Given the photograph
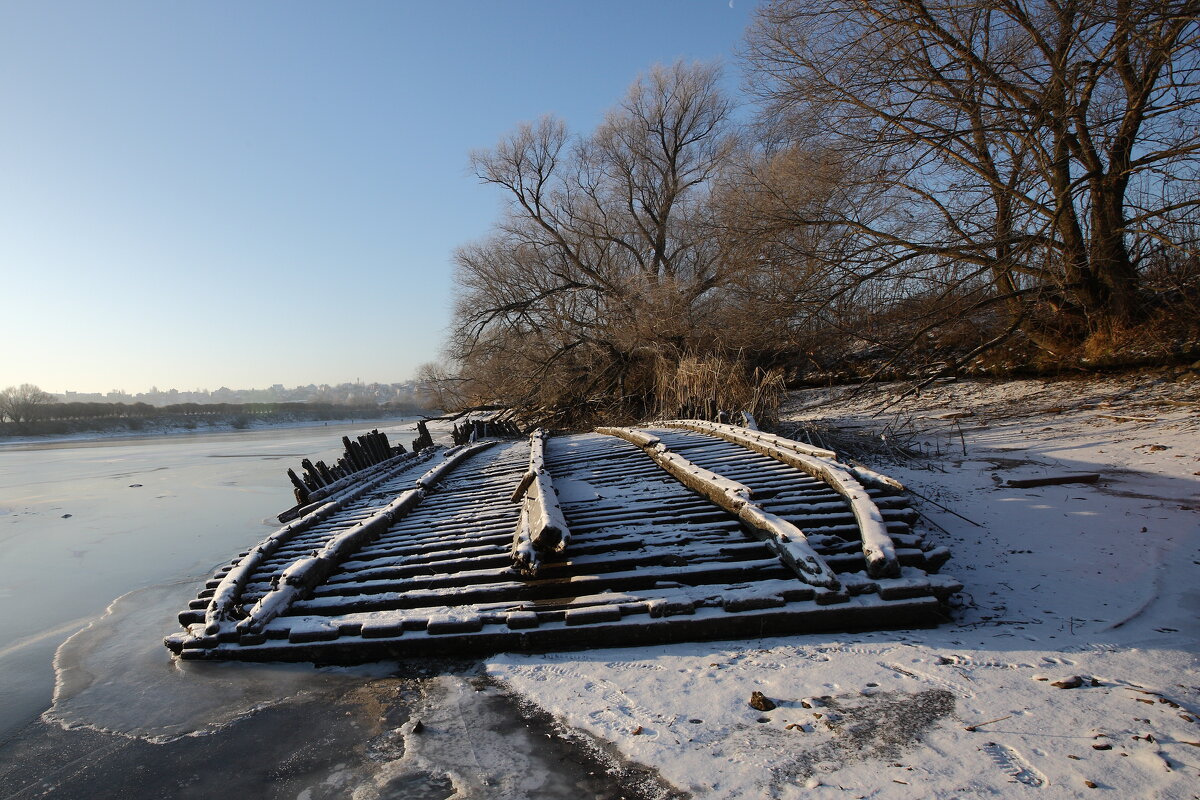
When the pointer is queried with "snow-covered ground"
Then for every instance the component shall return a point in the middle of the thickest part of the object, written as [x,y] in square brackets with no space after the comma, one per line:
[1096,581]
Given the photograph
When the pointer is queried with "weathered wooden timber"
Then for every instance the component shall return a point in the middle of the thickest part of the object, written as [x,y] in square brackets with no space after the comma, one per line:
[320,481]
[675,531]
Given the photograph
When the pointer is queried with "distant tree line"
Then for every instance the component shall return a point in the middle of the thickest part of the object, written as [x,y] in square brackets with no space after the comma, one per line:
[356,393]
[28,409]
[926,188]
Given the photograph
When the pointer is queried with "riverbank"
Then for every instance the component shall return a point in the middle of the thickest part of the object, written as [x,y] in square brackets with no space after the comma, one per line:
[1090,580]
[1095,580]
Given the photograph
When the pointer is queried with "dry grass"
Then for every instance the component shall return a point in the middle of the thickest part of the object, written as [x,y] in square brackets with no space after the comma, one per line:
[702,386]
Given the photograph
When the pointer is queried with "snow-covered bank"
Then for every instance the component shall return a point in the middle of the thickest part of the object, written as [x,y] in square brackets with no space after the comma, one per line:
[1095,580]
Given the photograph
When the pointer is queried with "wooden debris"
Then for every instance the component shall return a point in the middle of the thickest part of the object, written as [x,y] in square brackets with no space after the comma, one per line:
[788,541]
[408,561]
[1053,480]
[321,481]
[541,527]
[978,725]
[877,546]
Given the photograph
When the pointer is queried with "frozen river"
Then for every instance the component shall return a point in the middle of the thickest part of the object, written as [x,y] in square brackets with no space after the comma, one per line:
[82,523]
[104,542]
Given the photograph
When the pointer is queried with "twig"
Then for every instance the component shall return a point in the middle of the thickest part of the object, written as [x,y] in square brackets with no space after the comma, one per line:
[979,725]
[943,508]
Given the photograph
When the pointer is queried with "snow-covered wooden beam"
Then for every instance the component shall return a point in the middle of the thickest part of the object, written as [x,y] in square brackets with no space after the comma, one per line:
[725,431]
[222,609]
[353,481]
[302,575]
[542,526]
[787,541]
[877,544]
[778,447]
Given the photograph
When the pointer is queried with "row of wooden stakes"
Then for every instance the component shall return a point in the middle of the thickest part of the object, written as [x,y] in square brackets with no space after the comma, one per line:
[367,451]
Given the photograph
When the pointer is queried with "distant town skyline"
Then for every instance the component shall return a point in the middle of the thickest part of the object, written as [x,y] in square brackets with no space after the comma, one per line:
[230,194]
[378,392]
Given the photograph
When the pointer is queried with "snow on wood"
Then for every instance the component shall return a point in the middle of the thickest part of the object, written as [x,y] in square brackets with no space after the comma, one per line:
[301,576]
[786,540]
[655,562]
[542,526]
[877,545]
[742,435]
[873,478]
[223,608]
[781,449]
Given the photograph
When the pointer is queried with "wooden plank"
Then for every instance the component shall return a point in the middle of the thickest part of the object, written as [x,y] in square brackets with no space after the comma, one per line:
[785,539]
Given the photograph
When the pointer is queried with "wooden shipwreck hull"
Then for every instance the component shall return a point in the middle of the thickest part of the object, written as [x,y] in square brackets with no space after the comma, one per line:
[672,532]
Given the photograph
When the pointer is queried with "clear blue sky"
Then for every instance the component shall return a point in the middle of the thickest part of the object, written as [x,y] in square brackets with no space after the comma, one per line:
[198,194]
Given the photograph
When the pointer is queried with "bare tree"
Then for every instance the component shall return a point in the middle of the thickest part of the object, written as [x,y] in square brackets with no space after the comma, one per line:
[1019,150]
[604,256]
[24,404]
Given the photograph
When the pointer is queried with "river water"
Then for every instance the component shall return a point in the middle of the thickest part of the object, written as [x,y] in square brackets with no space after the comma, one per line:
[103,542]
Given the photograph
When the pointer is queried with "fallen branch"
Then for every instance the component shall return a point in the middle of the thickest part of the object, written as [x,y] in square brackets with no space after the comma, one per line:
[943,508]
[1054,480]
[978,725]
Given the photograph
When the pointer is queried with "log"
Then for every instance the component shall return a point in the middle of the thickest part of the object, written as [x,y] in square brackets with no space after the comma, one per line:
[295,479]
[360,457]
[1054,480]
[877,545]
[542,526]
[789,543]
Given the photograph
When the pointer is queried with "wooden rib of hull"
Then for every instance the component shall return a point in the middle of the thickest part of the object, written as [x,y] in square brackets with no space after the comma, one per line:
[648,561]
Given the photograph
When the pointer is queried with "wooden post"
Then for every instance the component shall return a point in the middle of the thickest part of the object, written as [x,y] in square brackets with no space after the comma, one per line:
[350,453]
[311,472]
[301,489]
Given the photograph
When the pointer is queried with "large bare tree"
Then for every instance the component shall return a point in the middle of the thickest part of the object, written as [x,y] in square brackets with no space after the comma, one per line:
[24,404]
[1019,150]
[604,257]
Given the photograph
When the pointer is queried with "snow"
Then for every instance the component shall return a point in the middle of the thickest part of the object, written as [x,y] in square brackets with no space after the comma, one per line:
[1097,581]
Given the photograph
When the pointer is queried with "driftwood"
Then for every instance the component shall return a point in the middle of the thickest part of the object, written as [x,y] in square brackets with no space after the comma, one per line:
[1054,480]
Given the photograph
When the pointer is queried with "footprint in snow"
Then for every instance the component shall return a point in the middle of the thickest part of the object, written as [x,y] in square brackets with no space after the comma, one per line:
[1013,765]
